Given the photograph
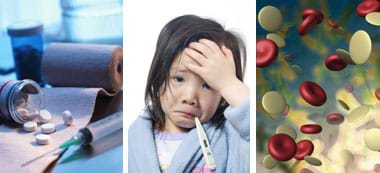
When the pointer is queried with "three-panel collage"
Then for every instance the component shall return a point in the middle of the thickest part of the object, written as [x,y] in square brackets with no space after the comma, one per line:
[138,86]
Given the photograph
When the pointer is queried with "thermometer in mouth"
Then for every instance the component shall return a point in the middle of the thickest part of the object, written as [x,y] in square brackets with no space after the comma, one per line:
[205,145]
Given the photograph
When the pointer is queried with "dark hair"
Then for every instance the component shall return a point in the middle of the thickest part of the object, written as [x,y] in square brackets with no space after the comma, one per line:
[173,39]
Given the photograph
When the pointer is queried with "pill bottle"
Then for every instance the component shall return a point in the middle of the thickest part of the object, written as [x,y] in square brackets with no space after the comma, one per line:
[20,101]
[27,45]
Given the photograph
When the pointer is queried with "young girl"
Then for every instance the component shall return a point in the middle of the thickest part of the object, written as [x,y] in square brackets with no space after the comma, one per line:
[197,71]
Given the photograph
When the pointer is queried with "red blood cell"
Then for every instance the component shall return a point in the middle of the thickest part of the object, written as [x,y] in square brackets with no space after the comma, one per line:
[305,170]
[304,148]
[335,118]
[282,147]
[311,128]
[312,93]
[334,63]
[376,167]
[310,18]
[266,52]
[366,7]
[377,93]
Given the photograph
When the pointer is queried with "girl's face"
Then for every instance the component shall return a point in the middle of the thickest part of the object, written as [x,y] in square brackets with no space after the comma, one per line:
[186,96]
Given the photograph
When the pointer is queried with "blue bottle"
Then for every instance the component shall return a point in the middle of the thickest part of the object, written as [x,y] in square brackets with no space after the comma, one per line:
[27,45]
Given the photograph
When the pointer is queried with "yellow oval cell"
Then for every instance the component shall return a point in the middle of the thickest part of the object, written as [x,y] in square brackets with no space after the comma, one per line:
[286,129]
[269,162]
[358,113]
[372,139]
[344,55]
[313,161]
[280,41]
[274,102]
[360,47]
[270,18]
[373,18]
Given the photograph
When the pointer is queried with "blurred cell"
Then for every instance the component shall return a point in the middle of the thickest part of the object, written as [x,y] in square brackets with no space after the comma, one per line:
[269,162]
[366,7]
[313,161]
[358,113]
[286,129]
[335,118]
[377,93]
[280,41]
[344,55]
[372,139]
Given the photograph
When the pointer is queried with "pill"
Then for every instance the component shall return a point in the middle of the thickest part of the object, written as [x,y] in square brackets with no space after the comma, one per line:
[47,128]
[312,93]
[358,113]
[281,147]
[266,52]
[334,63]
[360,47]
[273,102]
[366,7]
[286,129]
[42,139]
[269,162]
[270,18]
[311,128]
[377,93]
[30,126]
[344,55]
[280,41]
[305,170]
[313,161]
[304,148]
[67,117]
[44,116]
[343,104]
[373,18]
[335,118]
[372,139]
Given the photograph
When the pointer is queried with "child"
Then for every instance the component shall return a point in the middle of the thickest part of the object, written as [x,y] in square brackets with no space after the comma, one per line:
[197,71]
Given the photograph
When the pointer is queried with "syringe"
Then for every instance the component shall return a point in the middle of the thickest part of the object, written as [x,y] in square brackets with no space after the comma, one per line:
[89,134]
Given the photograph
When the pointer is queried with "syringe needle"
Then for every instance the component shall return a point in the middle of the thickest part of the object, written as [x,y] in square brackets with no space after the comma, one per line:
[39,157]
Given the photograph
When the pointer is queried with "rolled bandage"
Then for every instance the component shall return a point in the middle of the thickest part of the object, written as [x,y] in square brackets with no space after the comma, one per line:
[83,65]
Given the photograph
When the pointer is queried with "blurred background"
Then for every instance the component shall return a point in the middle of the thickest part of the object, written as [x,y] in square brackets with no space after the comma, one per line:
[81,21]
[303,59]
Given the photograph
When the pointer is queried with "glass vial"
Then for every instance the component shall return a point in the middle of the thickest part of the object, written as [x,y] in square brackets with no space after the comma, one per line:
[20,101]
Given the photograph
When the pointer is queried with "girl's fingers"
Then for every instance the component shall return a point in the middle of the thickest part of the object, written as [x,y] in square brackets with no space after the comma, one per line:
[196,56]
[194,68]
[212,45]
[205,50]
[227,52]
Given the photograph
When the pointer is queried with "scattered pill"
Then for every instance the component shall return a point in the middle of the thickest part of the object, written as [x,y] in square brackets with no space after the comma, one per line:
[311,128]
[280,41]
[372,139]
[270,18]
[42,139]
[373,18]
[47,128]
[282,147]
[304,148]
[313,161]
[274,102]
[360,47]
[358,113]
[335,118]
[30,126]
[266,52]
[44,116]
[334,63]
[343,104]
[312,93]
[286,129]
[366,7]
[344,55]
[67,117]
[269,162]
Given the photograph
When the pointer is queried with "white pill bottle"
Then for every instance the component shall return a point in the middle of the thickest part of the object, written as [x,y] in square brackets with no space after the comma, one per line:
[20,101]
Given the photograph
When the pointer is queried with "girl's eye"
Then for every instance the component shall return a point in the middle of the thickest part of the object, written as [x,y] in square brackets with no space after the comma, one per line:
[178,79]
[206,86]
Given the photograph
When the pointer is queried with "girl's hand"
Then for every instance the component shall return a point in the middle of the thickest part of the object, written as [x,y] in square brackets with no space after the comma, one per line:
[216,66]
